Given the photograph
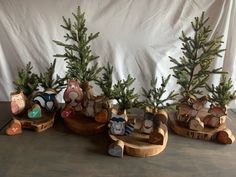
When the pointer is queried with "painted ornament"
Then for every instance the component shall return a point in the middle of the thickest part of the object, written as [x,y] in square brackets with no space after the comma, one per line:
[73,95]
[47,100]
[18,103]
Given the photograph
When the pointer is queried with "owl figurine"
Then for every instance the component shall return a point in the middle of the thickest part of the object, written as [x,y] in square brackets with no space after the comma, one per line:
[18,103]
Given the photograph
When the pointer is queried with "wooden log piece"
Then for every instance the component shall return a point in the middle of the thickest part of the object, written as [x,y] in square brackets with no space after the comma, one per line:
[116,149]
[214,122]
[102,116]
[14,128]
[38,125]
[158,135]
[83,125]
[225,136]
[162,115]
[196,124]
[136,144]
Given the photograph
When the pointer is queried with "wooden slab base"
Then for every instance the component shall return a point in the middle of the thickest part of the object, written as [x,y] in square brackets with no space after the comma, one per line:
[83,125]
[204,134]
[38,125]
[136,144]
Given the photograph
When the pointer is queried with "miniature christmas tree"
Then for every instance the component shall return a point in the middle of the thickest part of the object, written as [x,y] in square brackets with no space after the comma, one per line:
[221,95]
[124,95]
[105,82]
[78,51]
[154,96]
[193,69]
[27,82]
[192,72]
[47,81]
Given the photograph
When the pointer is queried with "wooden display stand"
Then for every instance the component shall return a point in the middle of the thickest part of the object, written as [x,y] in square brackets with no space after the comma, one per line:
[84,125]
[38,125]
[213,134]
[136,144]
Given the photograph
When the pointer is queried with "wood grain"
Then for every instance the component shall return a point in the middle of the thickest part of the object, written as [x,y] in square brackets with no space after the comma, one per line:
[38,125]
[83,125]
[136,144]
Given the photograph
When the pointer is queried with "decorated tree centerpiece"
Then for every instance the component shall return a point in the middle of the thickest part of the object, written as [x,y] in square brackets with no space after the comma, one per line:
[145,136]
[82,106]
[31,108]
[156,116]
[126,99]
[192,72]
[25,86]
[51,87]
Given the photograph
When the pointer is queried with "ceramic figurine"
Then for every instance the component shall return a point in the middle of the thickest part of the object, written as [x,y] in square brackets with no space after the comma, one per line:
[116,149]
[73,95]
[117,124]
[35,112]
[18,102]
[14,128]
[147,125]
[46,99]
[68,112]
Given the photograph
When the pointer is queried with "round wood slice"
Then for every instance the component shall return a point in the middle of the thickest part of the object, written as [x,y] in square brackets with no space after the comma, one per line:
[136,144]
[84,125]
[38,125]
[205,134]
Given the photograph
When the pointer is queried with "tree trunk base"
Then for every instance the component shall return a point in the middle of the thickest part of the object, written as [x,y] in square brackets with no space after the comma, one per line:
[137,144]
[38,125]
[84,125]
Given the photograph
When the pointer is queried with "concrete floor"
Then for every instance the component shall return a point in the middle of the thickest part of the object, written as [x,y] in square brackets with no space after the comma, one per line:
[59,153]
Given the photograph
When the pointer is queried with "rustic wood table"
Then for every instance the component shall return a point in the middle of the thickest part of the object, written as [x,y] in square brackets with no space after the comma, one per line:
[59,153]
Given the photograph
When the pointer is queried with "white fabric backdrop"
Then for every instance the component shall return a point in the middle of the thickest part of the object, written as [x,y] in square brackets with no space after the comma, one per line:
[136,36]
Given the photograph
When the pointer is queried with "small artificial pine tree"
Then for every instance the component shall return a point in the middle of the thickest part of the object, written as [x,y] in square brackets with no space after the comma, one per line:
[105,82]
[27,82]
[221,95]
[47,82]
[78,52]
[154,95]
[193,69]
[126,98]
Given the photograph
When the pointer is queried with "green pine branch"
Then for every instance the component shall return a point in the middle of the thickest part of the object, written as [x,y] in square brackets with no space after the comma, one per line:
[26,81]
[221,94]
[47,81]
[78,54]
[105,82]
[193,69]
[124,95]
[154,96]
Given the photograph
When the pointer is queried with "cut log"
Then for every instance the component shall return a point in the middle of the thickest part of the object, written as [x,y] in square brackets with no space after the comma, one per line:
[136,144]
[214,122]
[158,135]
[14,128]
[205,134]
[84,125]
[196,124]
[38,125]
[102,116]
[226,136]
[116,149]
[162,115]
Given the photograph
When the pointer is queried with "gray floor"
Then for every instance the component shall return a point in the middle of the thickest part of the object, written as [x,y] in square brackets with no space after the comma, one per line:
[60,153]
